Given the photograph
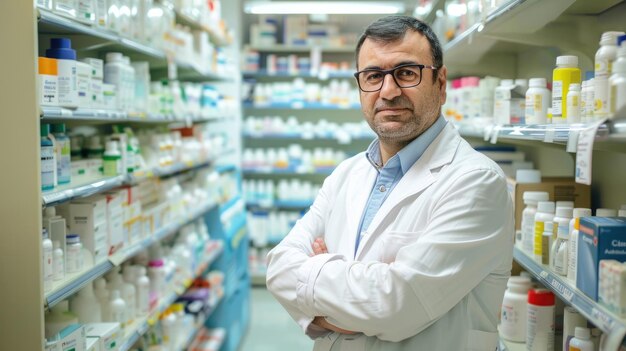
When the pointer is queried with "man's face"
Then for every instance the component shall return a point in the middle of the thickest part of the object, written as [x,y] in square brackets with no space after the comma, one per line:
[398,115]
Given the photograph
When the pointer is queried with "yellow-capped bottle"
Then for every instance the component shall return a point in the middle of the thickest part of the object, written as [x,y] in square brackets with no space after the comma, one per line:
[565,73]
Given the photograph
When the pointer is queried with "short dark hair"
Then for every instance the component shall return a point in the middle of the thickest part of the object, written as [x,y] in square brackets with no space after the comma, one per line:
[393,28]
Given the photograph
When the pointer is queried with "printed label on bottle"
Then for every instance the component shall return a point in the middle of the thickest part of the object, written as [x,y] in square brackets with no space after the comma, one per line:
[539,226]
[573,348]
[49,90]
[47,166]
[64,169]
[557,99]
[110,167]
[601,68]
[545,248]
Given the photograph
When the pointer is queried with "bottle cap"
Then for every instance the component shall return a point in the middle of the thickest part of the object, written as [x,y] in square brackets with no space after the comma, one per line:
[114,57]
[61,48]
[507,82]
[582,333]
[517,280]
[112,147]
[606,212]
[537,83]
[582,212]
[48,66]
[49,212]
[44,130]
[56,244]
[526,176]
[535,196]
[610,38]
[567,60]
[564,212]
[156,263]
[44,233]
[545,206]
[72,239]
[569,204]
[115,294]
[58,128]
[540,297]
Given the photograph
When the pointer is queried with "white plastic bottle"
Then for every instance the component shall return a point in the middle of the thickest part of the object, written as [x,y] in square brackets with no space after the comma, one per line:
[546,242]
[571,320]
[46,245]
[589,101]
[115,73]
[604,58]
[606,212]
[102,293]
[112,159]
[537,101]
[540,329]
[143,292]
[562,217]
[560,248]
[58,262]
[572,256]
[617,82]
[582,340]
[127,292]
[86,306]
[573,103]
[61,50]
[74,254]
[117,309]
[545,213]
[502,102]
[513,313]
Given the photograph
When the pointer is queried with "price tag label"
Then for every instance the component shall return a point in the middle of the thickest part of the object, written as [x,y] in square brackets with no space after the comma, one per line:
[487,132]
[584,153]
[563,290]
[544,274]
[549,136]
[606,322]
[572,141]
[495,133]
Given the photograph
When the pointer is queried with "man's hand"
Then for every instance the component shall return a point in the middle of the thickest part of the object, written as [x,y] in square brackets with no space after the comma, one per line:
[319,247]
[323,323]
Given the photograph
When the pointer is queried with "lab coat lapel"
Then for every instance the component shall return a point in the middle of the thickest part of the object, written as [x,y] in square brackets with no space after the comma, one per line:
[357,193]
[419,177]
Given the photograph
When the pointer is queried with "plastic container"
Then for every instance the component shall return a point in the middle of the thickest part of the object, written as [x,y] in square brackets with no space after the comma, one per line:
[617,82]
[63,154]
[115,73]
[513,313]
[582,340]
[537,101]
[565,73]
[103,295]
[143,292]
[48,159]
[527,176]
[560,250]
[540,327]
[604,58]
[58,262]
[572,319]
[61,50]
[531,199]
[589,101]
[86,306]
[112,159]
[47,248]
[48,81]
[573,104]
[156,272]
[546,242]
[74,254]
[545,213]
[606,212]
[58,319]
[117,309]
[572,256]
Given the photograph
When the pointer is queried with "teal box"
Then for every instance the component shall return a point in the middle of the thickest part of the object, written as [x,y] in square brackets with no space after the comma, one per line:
[600,238]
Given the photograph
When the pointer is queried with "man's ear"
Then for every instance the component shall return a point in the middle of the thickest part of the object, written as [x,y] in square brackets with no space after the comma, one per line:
[442,75]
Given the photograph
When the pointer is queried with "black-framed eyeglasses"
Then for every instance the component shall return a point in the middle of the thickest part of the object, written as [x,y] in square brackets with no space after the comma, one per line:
[405,76]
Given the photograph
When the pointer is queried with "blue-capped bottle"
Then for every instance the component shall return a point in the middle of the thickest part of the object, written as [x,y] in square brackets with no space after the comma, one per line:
[61,49]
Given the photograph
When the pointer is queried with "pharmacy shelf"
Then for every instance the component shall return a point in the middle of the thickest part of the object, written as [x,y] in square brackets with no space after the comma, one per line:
[281,205]
[228,205]
[299,49]
[208,339]
[213,303]
[68,192]
[218,39]
[306,136]
[288,171]
[71,191]
[300,106]
[613,326]
[320,75]
[60,114]
[75,282]
[140,327]
[99,39]
[225,168]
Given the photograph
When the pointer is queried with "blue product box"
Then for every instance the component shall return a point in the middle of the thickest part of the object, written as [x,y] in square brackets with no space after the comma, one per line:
[600,238]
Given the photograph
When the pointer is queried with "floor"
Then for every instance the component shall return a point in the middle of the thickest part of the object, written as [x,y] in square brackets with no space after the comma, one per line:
[271,328]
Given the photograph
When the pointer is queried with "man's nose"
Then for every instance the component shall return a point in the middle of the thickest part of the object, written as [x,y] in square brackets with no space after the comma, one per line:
[390,89]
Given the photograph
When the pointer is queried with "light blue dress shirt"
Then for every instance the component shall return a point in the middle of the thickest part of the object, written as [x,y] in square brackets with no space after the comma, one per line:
[395,168]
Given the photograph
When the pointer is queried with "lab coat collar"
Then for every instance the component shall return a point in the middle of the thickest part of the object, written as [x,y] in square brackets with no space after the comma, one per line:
[420,176]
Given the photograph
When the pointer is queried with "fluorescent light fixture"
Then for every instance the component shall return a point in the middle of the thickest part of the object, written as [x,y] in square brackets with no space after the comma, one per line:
[323,7]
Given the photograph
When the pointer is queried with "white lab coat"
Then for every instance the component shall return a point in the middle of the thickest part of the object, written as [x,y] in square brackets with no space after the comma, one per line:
[431,269]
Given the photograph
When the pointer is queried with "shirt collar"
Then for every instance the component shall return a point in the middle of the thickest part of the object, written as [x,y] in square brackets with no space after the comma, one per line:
[410,153]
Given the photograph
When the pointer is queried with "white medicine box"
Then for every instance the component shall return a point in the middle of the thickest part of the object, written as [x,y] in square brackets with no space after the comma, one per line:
[87,218]
[115,220]
[109,335]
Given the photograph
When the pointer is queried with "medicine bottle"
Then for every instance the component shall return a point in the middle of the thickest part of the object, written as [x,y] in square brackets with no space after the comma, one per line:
[573,104]
[112,159]
[617,82]
[61,50]
[117,309]
[63,153]
[143,292]
[571,320]
[537,101]
[156,272]
[86,306]
[48,159]
[73,254]
[540,328]
[560,248]
[545,213]
[604,58]
[46,245]
[572,256]
[48,81]
[531,199]
[582,340]
[546,242]
[513,313]
[565,73]
[58,261]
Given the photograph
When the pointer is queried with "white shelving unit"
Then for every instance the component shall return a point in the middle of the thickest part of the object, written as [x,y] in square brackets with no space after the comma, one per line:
[23,301]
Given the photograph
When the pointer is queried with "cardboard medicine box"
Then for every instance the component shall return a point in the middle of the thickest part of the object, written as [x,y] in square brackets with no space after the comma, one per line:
[109,335]
[599,238]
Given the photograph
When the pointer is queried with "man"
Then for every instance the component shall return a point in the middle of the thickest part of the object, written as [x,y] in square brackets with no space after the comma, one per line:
[408,246]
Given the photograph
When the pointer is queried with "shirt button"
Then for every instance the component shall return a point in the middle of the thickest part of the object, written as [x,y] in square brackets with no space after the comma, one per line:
[382,189]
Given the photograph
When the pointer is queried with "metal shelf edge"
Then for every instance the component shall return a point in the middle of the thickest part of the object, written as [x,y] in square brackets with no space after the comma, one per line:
[95,272]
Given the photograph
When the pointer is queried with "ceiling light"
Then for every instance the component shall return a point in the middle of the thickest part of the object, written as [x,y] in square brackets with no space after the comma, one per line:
[322,7]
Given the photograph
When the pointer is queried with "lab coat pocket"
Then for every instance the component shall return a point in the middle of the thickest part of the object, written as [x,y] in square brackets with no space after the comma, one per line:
[478,340]
[392,242]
